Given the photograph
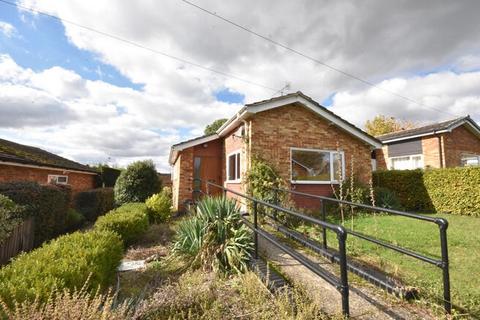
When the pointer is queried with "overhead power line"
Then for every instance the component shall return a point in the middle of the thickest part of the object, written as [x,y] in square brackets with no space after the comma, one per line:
[138,45]
[281,45]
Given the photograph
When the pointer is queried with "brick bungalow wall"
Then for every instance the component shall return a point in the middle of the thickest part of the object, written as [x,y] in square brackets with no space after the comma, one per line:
[233,143]
[460,141]
[77,181]
[182,182]
[274,132]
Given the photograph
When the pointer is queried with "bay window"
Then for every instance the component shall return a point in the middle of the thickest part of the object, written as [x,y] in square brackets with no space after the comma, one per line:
[317,166]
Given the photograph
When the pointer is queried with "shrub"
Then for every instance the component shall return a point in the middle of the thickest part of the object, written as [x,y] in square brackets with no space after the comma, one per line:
[94,203]
[64,263]
[136,183]
[452,190]
[408,186]
[386,198]
[130,221]
[48,204]
[74,219]
[160,206]
[215,238]
[11,215]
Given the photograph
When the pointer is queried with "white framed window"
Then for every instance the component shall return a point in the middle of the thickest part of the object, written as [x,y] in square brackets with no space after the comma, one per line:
[57,179]
[410,162]
[233,167]
[312,166]
[470,160]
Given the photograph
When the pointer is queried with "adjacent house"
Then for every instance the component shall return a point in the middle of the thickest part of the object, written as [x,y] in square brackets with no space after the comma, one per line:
[311,148]
[19,162]
[452,143]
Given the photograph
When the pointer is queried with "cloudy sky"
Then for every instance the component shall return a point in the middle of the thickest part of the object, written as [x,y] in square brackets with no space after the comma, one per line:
[94,98]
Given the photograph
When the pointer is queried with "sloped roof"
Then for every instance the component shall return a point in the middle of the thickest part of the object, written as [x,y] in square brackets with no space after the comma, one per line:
[292,98]
[430,129]
[19,153]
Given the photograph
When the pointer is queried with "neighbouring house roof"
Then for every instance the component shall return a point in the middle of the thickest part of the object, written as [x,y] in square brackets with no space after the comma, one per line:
[292,98]
[15,153]
[431,129]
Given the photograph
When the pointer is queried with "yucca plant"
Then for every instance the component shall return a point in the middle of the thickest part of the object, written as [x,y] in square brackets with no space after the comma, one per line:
[214,237]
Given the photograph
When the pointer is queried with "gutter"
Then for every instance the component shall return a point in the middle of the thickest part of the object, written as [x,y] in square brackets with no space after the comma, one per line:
[65,170]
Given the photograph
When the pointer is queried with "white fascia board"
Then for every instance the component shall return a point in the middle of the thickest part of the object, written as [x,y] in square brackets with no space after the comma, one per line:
[8,163]
[233,122]
[324,114]
[175,149]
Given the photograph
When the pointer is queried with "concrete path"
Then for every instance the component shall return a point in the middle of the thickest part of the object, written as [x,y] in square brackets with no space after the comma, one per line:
[365,302]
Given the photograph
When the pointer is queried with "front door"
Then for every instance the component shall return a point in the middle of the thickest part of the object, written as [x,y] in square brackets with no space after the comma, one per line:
[206,168]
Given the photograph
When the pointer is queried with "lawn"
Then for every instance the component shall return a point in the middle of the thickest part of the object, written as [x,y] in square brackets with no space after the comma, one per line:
[463,245]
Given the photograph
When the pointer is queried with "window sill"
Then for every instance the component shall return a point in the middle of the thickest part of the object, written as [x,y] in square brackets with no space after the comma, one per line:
[233,181]
[313,182]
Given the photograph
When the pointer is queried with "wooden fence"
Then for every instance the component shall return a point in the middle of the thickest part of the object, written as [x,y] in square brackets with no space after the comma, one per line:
[20,240]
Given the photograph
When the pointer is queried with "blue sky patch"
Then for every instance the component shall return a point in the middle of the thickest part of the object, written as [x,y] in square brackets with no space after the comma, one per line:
[229,96]
[40,43]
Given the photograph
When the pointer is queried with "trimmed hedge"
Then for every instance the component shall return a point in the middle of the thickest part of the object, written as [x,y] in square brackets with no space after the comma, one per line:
[451,190]
[137,182]
[130,221]
[11,215]
[64,263]
[94,203]
[49,205]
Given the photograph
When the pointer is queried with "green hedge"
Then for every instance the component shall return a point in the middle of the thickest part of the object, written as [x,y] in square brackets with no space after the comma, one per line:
[49,205]
[11,215]
[451,190]
[160,206]
[64,263]
[94,203]
[130,221]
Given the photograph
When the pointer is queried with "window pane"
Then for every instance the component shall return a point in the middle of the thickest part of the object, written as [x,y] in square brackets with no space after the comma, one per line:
[470,161]
[238,166]
[197,162]
[417,162]
[337,166]
[231,167]
[401,163]
[310,165]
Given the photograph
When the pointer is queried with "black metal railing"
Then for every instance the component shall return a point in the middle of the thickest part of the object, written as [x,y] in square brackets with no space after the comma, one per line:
[442,224]
[341,283]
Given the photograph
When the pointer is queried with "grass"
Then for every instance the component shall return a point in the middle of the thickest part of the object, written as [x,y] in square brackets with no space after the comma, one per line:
[423,237]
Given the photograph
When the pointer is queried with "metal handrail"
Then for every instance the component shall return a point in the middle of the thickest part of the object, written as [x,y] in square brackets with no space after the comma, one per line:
[342,285]
[442,224]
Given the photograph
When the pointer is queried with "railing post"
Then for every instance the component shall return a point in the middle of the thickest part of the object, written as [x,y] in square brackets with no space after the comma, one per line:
[224,193]
[207,187]
[275,202]
[324,217]
[443,225]
[344,290]
[255,225]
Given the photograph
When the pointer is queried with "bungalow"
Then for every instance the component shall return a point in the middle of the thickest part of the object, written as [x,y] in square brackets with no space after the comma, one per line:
[453,143]
[310,147]
[19,162]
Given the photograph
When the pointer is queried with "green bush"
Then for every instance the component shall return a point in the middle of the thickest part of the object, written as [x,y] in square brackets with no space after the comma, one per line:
[160,206]
[74,219]
[64,263]
[452,190]
[215,237]
[11,215]
[130,221]
[94,203]
[408,186]
[47,203]
[386,198]
[136,183]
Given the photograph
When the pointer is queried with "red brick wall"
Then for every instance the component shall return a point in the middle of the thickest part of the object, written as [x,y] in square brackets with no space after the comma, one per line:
[381,155]
[460,141]
[77,181]
[432,153]
[183,179]
[274,132]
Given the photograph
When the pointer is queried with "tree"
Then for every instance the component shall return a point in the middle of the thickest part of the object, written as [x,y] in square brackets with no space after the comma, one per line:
[136,183]
[214,126]
[383,125]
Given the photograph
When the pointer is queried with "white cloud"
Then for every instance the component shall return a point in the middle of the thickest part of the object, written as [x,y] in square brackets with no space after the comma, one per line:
[7,29]
[442,95]
[385,43]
